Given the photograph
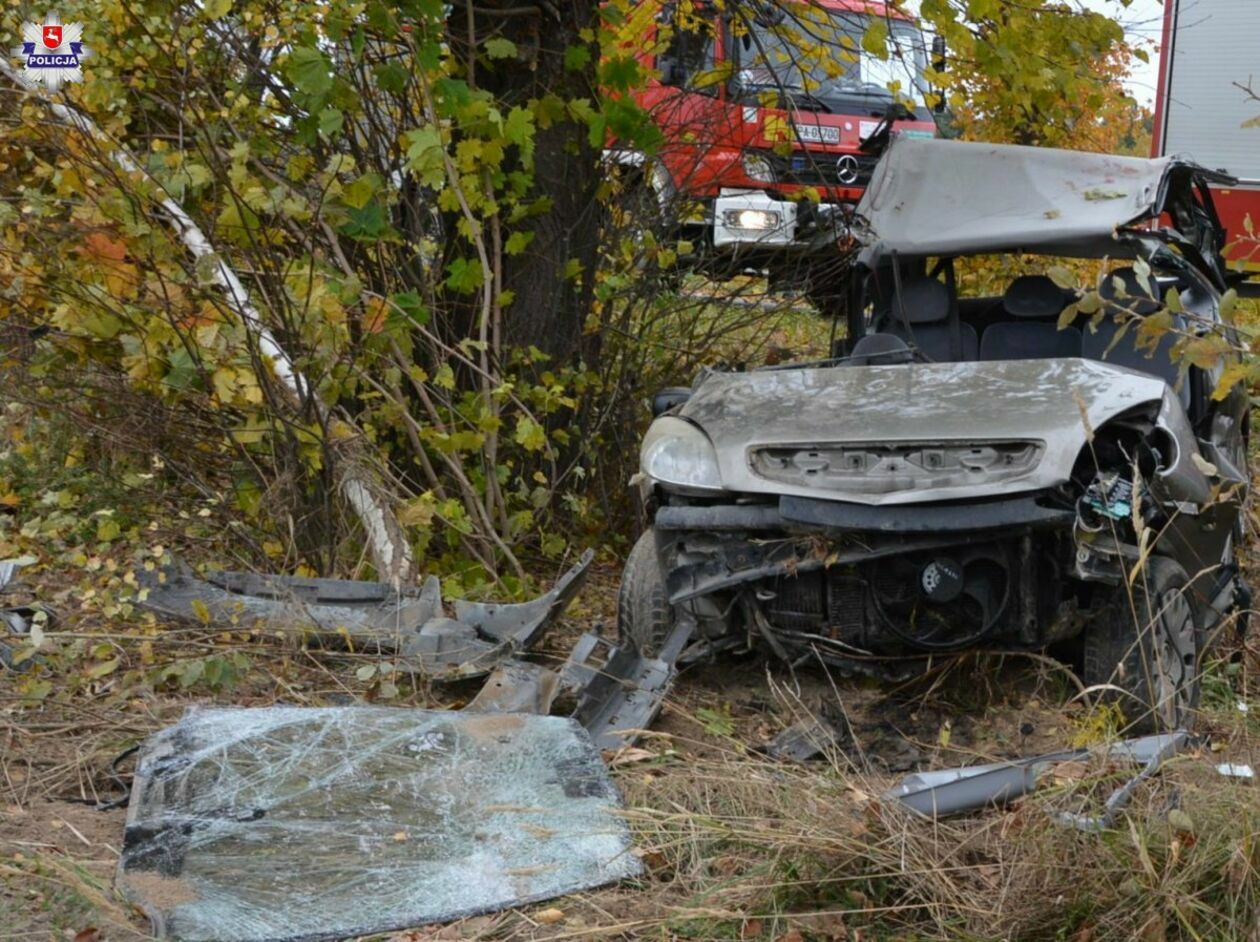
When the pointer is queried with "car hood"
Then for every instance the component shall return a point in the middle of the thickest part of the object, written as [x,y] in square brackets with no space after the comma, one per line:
[911,432]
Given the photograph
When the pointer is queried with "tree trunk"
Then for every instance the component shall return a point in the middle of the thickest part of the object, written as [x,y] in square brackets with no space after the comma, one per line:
[553,280]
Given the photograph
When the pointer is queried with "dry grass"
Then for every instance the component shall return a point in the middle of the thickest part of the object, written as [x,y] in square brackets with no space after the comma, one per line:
[737,846]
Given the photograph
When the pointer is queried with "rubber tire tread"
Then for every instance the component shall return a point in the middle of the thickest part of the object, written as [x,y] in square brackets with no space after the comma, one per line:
[1108,644]
[644,615]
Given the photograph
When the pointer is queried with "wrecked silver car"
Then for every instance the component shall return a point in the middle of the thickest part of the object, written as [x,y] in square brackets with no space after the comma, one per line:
[1029,467]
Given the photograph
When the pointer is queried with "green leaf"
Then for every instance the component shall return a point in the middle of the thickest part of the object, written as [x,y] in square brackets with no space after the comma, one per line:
[330,121]
[310,71]
[517,242]
[717,722]
[464,275]
[620,73]
[216,9]
[530,435]
[357,194]
[367,223]
[391,77]
[576,58]
[412,306]
[425,152]
[183,371]
[500,48]
[190,673]
[102,669]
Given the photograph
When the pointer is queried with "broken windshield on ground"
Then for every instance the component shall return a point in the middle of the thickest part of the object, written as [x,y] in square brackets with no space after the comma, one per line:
[287,823]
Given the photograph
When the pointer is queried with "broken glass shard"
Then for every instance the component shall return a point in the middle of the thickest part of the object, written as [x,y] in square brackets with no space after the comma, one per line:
[288,823]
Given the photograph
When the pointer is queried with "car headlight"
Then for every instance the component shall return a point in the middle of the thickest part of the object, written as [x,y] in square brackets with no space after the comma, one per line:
[758,168]
[678,454]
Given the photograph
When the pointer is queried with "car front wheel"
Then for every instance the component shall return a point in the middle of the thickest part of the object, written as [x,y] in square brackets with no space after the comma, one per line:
[1146,642]
[644,615]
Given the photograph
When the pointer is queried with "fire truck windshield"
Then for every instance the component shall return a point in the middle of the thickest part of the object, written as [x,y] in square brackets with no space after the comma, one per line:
[819,52]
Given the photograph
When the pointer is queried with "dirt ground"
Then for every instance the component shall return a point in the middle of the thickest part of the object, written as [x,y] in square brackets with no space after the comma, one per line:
[58,854]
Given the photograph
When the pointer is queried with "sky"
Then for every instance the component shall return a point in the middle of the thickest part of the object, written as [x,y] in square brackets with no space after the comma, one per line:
[1143,22]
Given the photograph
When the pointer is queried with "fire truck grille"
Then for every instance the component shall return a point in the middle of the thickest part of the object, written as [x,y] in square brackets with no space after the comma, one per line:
[816,169]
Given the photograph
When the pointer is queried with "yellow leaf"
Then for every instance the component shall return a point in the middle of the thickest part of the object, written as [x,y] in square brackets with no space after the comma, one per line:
[201,610]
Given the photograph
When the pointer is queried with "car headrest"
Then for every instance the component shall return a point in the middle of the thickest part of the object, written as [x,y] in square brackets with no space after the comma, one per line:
[925,301]
[1036,297]
[880,348]
[1138,297]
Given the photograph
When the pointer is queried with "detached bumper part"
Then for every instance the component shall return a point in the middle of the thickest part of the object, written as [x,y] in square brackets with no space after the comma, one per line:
[619,691]
[372,616]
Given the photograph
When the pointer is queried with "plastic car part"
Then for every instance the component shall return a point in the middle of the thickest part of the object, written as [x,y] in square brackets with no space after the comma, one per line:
[286,823]
[371,615]
[804,739]
[517,687]
[1151,751]
[952,791]
[619,691]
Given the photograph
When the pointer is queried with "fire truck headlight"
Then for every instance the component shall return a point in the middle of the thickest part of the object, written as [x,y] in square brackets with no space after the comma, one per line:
[759,219]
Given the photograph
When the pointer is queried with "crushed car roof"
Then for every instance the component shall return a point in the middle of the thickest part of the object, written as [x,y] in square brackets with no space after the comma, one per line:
[938,197]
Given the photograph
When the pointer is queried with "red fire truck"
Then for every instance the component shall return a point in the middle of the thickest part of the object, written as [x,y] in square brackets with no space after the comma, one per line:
[1204,108]
[772,115]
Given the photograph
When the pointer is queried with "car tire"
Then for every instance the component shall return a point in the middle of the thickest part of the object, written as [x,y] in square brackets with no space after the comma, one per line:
[644,615]
[1149,648]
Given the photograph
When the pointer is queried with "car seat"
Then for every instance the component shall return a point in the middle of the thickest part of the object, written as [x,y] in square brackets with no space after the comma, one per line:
[877,349]
[1035,302]
[923,314]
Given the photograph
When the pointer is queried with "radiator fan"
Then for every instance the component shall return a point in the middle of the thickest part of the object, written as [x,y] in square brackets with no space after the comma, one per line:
[941,601]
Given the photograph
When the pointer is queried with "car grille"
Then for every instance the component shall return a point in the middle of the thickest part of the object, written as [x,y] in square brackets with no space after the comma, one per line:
[883,468]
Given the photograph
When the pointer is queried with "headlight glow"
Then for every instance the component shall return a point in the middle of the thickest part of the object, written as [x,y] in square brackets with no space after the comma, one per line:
[751,219]
[678,454]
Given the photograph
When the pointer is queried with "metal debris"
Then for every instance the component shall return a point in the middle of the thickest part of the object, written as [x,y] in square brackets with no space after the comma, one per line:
[952,791]
[619,691]
[1231,770]
[371,615]
[1151,752]
[517,687]
[804,739]
[286,823]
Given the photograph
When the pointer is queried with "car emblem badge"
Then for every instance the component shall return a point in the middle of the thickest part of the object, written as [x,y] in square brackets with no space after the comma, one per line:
[847,169]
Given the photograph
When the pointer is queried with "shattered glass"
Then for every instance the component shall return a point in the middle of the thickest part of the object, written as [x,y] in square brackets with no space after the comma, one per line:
[289,823]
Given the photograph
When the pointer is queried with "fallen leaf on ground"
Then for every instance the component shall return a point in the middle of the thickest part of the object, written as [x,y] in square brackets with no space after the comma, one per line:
[549,916]
[627,755]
